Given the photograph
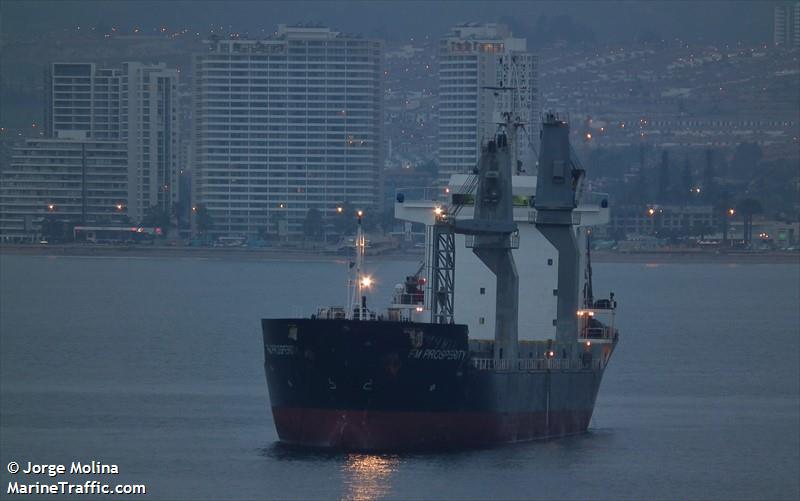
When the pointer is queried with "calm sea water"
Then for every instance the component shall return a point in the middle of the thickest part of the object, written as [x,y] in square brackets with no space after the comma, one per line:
[156,365]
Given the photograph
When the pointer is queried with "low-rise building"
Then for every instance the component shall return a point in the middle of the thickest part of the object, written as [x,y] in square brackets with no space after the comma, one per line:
[650,219]
[75,181]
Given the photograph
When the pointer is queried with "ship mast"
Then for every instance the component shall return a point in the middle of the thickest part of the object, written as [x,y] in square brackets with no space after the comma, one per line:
[357,307]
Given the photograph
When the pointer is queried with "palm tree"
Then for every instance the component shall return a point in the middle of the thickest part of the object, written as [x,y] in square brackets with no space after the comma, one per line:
[204,221]
[313,225]
[157,217]
[747,207]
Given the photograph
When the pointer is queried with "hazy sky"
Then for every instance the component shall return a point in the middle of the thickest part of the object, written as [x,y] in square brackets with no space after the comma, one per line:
[707,20]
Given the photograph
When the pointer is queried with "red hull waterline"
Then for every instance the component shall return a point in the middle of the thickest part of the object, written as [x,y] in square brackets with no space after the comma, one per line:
[380,430]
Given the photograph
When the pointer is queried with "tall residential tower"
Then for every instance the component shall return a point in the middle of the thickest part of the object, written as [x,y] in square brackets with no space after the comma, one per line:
[284,125]
[483,70]
[786,25]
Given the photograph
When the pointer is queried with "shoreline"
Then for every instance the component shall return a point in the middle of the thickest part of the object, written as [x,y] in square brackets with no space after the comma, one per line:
[683,256]
[696,257]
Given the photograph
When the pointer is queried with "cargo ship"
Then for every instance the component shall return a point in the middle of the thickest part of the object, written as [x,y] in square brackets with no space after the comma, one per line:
[500,342]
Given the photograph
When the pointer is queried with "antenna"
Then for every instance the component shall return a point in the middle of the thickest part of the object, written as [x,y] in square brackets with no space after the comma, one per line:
[510,112]
[357,307]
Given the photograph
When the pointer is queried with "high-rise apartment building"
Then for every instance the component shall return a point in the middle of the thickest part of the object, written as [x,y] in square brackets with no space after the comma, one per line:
[82,102]
[786,25]
[796,25]
[102,113]
[780,28]
[483,71]
[150,123]
[284,125]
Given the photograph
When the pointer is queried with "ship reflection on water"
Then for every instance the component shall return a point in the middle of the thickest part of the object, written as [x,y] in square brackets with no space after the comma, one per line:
[366,476]
[363,476]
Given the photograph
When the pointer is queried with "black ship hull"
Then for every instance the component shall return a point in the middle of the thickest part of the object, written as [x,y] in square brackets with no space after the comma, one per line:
[379,385]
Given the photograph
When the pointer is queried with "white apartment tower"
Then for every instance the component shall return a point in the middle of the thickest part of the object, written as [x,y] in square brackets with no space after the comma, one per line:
[150,126]
[82,101]
[786,25]
[780,28]
[284,125]
[136,103]
[477,63]
[796,25]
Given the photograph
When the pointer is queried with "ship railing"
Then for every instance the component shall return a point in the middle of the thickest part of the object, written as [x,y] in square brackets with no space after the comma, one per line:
[512,242]
[591,328]
[539,217]
[417,194]
[536,364]
[410,299]
[331,313]
[593,198]
[597,333]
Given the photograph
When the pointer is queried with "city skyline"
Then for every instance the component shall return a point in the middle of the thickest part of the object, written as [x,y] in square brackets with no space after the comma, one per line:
[431,112]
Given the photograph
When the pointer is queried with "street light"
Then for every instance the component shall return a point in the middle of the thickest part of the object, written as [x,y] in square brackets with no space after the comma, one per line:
[655,215]
[731,212]
[51,207]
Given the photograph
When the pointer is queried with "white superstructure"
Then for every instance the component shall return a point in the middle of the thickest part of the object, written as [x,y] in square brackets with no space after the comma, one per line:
[536,259]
